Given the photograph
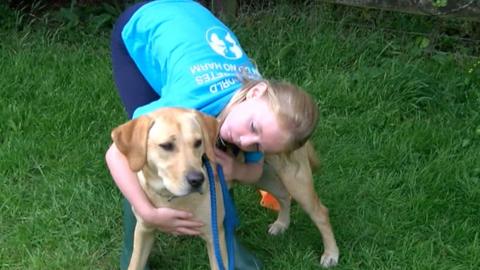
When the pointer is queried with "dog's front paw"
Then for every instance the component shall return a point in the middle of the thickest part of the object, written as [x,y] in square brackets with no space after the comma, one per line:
[329,259]
[277,227]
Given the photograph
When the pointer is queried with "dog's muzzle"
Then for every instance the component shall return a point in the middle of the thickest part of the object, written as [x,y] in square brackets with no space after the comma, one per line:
[195,179]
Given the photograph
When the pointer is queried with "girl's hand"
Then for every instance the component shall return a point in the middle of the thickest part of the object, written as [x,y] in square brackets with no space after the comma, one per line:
[172,221]
[228,164]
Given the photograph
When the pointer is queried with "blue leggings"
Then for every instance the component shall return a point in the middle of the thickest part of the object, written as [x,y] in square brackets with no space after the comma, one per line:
[132,87]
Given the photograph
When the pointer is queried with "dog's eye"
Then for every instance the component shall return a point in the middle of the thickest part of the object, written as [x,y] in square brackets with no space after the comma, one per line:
[167,146]
[197,143]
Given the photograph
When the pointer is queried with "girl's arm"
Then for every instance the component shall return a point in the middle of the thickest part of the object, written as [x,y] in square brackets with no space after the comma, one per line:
[167,219]
[247,173]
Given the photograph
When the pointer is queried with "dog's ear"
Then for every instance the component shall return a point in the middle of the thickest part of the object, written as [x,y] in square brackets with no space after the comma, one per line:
[210,130]
[131,139]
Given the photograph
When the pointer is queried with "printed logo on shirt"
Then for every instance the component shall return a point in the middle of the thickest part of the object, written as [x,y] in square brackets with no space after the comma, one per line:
[222,42]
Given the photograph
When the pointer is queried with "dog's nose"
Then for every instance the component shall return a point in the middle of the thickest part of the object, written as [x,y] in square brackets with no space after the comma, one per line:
[195,178]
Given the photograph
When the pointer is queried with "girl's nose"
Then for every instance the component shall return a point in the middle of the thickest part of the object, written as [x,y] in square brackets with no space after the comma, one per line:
[247,141]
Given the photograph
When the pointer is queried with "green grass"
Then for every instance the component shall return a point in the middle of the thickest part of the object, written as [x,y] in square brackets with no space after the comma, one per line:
[398,138]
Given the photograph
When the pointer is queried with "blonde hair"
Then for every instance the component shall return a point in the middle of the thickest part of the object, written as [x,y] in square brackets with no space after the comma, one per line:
[295,109]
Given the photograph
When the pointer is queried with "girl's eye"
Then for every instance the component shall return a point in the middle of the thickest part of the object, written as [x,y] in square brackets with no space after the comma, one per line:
[253,128]
[167,146]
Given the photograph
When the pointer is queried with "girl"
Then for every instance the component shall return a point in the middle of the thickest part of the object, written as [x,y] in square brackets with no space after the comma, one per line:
[176,53]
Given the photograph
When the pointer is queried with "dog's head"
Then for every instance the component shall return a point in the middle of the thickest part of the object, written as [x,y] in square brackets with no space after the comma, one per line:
[168,144]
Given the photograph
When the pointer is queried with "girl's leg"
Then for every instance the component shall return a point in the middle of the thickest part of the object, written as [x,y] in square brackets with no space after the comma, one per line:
[244,258]
[129,222]
[132,87]
[134,91]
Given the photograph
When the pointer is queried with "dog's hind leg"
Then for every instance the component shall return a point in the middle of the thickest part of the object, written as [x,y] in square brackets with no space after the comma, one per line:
[271,183]
[299,184]
[142,245]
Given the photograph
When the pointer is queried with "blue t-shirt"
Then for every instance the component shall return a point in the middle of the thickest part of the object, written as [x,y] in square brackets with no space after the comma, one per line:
[189,57]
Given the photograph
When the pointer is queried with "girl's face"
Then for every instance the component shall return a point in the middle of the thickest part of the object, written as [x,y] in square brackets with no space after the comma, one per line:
[252,125]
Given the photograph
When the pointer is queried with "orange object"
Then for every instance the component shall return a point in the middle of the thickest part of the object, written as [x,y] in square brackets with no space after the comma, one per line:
[269,201]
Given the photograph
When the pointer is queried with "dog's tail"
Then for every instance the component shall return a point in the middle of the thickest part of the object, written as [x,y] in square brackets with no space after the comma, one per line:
[312,156]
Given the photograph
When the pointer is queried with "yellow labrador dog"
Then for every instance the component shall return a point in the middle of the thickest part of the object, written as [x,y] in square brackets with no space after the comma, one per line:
[165,148]
[290,176]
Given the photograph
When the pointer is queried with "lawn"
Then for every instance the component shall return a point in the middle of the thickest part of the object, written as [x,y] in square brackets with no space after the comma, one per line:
[398,139]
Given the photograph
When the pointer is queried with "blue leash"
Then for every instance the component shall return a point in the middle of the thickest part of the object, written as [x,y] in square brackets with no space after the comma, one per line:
[230,221]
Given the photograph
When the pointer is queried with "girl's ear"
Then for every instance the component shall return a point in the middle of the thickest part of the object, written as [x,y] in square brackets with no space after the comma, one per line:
[258,90]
